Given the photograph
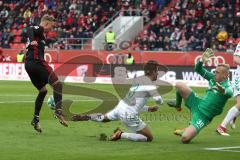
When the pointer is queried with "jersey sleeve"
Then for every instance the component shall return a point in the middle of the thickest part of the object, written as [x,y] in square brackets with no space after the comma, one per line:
[203,71]
[229,92]
[237,51]
[144,108]
[155,95]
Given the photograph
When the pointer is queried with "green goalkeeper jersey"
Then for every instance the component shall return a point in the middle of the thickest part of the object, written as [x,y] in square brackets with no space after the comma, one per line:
[213,101]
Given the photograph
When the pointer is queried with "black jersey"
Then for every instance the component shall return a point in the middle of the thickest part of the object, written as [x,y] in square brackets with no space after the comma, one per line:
[35,52]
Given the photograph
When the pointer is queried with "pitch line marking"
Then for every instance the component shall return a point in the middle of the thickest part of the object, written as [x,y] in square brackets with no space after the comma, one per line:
[224,149]
[83,100]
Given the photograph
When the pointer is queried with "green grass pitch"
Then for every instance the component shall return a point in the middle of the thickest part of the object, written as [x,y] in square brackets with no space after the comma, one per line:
[18,140]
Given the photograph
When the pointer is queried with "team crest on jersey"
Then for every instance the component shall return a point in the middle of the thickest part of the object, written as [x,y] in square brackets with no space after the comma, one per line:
[36,27]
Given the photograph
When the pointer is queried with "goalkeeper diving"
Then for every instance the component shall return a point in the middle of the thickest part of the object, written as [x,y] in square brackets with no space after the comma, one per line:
[203,109]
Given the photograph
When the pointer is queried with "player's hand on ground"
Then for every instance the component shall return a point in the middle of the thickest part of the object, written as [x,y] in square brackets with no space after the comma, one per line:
[34,43]
[208,53]
[219,88]
[153,108]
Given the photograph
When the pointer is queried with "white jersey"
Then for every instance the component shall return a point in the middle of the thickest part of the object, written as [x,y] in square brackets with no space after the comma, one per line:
[135,101]
[236,76]
[139,94]
[237,53]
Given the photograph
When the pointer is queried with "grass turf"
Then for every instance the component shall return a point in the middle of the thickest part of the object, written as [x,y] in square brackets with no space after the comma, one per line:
[19,141]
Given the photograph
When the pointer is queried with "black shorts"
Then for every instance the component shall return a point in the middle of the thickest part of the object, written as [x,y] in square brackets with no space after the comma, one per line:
[40,73]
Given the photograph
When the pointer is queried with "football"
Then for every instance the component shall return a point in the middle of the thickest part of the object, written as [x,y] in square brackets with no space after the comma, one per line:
[51,103]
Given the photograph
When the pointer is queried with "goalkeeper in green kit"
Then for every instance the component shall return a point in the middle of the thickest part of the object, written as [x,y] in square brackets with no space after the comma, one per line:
[203,109]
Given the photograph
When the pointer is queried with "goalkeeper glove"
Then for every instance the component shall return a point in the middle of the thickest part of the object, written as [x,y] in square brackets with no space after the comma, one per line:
[208,53]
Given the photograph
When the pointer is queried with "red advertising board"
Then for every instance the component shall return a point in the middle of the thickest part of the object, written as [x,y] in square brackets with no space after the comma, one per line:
[50,55]
[81,73]
[168,58]
[119,57]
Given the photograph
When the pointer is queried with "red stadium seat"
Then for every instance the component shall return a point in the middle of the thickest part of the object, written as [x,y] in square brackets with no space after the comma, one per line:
[22,45]
[14,32]
[14,45]
[17,32]
[17,39]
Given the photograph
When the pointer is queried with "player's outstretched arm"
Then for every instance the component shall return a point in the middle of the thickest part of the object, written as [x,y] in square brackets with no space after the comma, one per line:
[156,96]
[199,65]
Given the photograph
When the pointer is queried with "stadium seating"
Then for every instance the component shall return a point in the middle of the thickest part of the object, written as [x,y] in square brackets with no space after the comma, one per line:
[194,25]
[186,26]
[76,18]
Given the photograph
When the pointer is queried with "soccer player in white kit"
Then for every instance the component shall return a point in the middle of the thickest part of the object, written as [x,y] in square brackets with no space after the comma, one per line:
[235,110]
[128,108]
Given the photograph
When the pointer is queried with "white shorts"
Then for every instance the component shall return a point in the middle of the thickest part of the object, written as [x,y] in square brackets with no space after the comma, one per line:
[236,86]
[128,115]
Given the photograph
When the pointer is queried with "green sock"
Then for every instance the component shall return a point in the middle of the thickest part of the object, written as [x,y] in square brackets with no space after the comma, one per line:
[178,99]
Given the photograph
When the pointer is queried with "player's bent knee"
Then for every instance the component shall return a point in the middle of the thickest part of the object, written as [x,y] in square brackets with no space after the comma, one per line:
[238,105]
[185,139]
[180,85]
[57,83]
[186,142]
[43,91]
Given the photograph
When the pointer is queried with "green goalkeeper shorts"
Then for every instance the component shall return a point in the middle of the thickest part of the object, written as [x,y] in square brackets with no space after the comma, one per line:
[198,119]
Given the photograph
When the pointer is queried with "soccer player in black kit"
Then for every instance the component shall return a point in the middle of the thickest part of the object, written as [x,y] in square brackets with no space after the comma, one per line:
[40,72]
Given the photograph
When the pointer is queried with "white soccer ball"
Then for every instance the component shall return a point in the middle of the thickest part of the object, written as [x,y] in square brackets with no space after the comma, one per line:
[51,102]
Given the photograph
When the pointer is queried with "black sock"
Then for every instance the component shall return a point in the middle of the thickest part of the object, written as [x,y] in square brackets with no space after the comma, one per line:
[39,102]
[57,95]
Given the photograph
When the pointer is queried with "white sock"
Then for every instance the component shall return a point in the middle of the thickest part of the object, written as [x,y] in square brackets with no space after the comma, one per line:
[134,137]
[233,112]
[99,117]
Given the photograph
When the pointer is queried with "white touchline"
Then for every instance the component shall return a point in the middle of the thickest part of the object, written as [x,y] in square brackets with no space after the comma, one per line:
[65,96]
[28,95]
[83,100]
[17,95]
[224,149]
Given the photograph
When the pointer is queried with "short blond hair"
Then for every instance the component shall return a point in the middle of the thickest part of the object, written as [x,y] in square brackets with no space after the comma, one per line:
[225,66]
[47,17]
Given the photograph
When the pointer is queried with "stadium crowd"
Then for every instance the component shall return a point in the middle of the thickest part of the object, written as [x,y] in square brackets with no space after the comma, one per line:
[75,18]
[194,25]
[189,25]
